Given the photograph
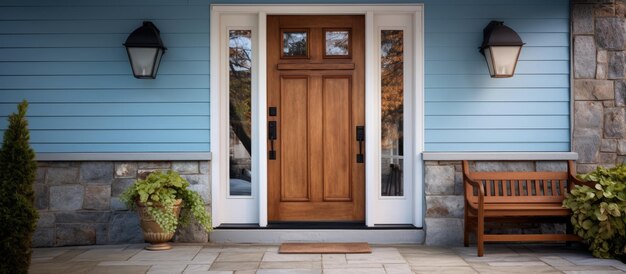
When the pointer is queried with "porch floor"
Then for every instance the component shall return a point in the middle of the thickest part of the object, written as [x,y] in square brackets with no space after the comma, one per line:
[215,258]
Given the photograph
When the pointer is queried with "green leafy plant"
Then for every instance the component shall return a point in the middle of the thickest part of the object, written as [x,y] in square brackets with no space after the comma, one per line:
[18,216]
[599,214]
[159,191]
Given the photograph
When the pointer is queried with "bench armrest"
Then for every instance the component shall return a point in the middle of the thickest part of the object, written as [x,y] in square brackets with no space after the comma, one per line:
[572,177]
[470,183]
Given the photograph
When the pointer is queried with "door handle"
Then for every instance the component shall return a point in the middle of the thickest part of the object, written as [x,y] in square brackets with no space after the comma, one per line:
[272,135]
[360,137]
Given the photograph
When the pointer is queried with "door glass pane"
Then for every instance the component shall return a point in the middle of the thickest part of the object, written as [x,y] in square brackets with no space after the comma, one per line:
[392,112]
[240,76]
[295,44]
[337,43]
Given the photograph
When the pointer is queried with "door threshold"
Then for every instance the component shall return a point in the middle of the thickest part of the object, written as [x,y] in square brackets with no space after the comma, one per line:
[258,235]
[318,225]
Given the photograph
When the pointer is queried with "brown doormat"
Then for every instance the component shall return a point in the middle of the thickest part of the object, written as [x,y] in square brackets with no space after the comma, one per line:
[324,248]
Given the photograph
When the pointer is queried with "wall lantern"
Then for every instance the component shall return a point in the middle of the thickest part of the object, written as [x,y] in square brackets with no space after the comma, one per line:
[501,47]
[145,49]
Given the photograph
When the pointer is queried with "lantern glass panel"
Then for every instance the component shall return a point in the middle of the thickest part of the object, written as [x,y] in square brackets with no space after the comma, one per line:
[504,59]
[143,60]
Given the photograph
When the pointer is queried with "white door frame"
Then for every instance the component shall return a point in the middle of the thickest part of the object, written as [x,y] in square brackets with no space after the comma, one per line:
[219,104]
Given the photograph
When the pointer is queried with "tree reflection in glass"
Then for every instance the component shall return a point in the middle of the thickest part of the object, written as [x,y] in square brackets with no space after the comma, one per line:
[337,43]
[392,112]
[240,104]
[295,44]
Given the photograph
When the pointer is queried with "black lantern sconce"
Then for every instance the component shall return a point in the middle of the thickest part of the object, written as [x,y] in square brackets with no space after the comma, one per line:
[501,48]
[145,49]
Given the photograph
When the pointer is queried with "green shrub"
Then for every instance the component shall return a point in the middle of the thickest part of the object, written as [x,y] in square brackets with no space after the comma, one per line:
[18,216]
[159,191]
[599,214]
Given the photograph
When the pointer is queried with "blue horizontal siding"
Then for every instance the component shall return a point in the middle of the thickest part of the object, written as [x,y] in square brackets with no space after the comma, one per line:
[66,58]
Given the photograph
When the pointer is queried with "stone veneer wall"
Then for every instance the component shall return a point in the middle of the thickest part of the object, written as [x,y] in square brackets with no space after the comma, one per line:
[79,202]
[443,182]
[599,72]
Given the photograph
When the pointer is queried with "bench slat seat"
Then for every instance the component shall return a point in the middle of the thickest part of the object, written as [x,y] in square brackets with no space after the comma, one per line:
[513,196]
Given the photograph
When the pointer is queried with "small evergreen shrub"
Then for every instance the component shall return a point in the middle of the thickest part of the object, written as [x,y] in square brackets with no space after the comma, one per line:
[159,191]
[18,216]
[599,214]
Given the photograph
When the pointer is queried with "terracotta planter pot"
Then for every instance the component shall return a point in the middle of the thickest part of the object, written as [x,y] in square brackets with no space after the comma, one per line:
[152,232]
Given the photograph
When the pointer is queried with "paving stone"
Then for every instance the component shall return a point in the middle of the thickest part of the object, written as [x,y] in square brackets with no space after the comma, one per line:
[444,270]
[271,256]
[234,266]
[205,256]
[439,180]
[66,197]
[398,269]
[180,253]
[444,206]
[186,167]
[293,265]
[167,269]
[125,169]
[609,33]
[590,89]
[376,257]
[114,253]
[56,267]
[200,268]
[444,231]
[582,19]
[124,228]
[82,217]
[131,269]
[97,197]
[617,68]
[96,172]
[555,261]
[439,260]
[615,123]
[514,269]
[584,57]
[61,175]
[289,271]
[240,257]
[355,271]
[75,234]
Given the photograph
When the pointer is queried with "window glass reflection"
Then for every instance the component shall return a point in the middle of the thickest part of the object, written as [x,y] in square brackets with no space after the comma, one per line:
[240,86]
[295,44]
[392,112]
[337,43]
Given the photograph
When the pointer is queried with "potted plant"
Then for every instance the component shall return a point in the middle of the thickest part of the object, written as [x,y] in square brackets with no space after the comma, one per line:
[160,199]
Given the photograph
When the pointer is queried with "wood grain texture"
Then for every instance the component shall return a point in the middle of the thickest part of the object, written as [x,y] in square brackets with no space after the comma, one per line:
[316,177]
[505,197]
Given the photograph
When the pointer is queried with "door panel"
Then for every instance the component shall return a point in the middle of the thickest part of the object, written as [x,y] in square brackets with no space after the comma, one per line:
[320,101]
[336,142]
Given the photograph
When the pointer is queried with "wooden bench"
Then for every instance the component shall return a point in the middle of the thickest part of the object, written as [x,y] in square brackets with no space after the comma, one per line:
[516,197]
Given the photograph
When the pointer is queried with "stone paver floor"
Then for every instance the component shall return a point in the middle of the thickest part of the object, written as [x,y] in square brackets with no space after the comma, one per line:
[264,259]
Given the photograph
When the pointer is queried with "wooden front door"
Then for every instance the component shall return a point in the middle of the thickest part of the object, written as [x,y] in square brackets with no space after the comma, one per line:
[315,80]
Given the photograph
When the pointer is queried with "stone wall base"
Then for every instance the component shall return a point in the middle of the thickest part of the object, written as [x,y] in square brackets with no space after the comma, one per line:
[79,202]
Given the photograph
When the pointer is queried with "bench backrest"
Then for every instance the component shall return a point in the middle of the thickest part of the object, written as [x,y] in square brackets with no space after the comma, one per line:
[517,187]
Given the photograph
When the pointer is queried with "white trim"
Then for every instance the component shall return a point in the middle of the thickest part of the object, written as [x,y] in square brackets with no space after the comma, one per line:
[418,114]
[499,156]
[372,122]
[220,163]
[165,156]
[215,114]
